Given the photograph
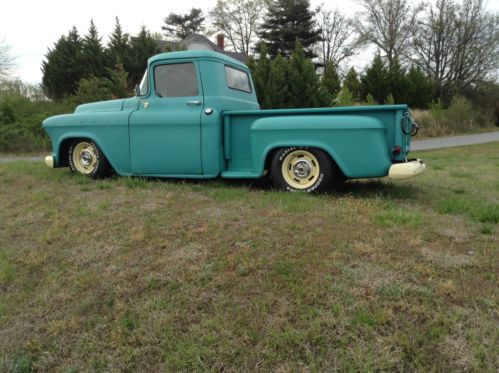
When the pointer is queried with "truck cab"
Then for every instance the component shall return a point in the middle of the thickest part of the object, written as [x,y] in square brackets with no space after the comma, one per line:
[181,100]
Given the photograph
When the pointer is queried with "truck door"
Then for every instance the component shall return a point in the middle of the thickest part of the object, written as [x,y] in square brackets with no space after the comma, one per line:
[165,132]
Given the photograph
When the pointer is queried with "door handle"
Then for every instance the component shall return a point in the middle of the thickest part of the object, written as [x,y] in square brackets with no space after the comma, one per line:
[192,103]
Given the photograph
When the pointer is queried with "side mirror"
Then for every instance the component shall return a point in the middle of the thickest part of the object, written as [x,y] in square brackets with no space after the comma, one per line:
[137,90]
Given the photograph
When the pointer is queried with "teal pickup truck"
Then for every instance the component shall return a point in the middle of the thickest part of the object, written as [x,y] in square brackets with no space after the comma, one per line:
[196,115]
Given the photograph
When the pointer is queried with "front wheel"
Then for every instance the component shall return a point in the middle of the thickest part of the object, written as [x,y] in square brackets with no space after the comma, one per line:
[86,158]
[302,169]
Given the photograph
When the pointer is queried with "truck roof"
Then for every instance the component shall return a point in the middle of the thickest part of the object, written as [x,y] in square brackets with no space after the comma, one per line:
[195,54]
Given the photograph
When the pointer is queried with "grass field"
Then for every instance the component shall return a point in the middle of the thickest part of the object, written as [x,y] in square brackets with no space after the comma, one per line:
[132,274]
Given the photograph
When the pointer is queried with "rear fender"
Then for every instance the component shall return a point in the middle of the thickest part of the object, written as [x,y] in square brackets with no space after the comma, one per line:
[356,143]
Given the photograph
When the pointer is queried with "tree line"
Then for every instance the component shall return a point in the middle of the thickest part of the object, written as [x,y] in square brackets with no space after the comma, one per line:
[77,63]
[443,57]
[293,83]
[424,53]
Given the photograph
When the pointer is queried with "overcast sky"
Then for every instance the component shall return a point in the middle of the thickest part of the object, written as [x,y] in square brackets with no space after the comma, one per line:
[31,27]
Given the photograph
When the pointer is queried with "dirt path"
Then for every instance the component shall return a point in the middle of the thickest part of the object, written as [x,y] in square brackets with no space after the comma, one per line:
[15,159]
[453,141]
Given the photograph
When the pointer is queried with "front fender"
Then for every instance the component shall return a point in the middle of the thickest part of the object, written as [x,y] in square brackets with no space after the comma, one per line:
[356,143]
[108,130]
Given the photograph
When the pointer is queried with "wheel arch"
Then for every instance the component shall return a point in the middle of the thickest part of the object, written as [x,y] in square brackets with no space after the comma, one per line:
[65,144]
[273,149]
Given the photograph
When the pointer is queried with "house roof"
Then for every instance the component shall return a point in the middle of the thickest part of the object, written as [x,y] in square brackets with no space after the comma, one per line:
[197,38]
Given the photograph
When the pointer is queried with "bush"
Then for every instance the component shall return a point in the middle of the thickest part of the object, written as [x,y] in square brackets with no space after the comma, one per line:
[24,107]
[345,98]
[94,88]
[486,97]
[461,116]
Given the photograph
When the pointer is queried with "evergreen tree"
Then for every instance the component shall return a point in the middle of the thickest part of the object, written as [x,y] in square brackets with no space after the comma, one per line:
[279,78]
[375,80]
[63,68]
[142,47]
[397,83]
[390,100]
[94,88]
[331,80]
[352,83]
[345,98]
[118,46]
[118,85]
[261,71]
[304,86]
[419,89]
[286,22]
[93,56]
[370,100]
[288,83]
[270,79]
[180,26]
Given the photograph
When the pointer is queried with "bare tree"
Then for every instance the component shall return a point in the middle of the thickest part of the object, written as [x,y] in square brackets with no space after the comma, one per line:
[6,60]
[457,45]
[434,42]
[476,52]
[388,24]
[239,21]
[336,42]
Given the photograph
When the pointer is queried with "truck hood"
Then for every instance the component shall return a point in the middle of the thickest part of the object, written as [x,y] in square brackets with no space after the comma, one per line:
[101,106]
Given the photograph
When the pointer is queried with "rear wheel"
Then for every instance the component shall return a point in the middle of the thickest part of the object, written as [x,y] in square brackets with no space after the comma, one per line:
[86,158]
[302,169]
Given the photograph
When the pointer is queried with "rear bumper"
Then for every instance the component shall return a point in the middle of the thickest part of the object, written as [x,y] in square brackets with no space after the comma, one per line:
[406,170]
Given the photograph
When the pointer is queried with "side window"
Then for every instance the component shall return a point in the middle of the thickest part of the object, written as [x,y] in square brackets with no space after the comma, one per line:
[144,85]
[237,79]
[176,80]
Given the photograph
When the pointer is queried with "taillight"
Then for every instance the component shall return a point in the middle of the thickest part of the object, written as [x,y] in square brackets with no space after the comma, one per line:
[396,150]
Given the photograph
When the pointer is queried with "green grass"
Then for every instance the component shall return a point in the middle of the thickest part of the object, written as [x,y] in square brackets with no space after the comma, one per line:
[143,274]
[397,216]
[7,271]
[482,211]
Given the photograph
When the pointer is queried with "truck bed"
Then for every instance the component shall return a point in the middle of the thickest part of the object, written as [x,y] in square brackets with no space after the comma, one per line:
[365,135]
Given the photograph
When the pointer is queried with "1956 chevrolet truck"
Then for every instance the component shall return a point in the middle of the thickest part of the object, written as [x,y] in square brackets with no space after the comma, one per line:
[196,115]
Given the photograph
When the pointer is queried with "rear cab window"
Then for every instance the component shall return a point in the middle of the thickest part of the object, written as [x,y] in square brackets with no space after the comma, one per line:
[237,79]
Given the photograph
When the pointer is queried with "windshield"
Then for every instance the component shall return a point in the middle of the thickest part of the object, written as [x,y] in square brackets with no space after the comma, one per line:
[144,86]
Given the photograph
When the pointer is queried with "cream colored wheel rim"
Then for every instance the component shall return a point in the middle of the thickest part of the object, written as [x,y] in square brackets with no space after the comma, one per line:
[300,169]
[85,158]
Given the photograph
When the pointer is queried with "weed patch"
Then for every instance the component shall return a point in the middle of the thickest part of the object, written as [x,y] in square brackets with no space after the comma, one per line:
[484,212]
[365,318]
[7,271]
[225,194]
[396,216]
[134,182]
[21,363]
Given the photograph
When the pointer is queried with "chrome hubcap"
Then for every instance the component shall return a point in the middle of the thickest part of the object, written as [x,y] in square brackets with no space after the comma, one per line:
[302,169]
[86,158]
